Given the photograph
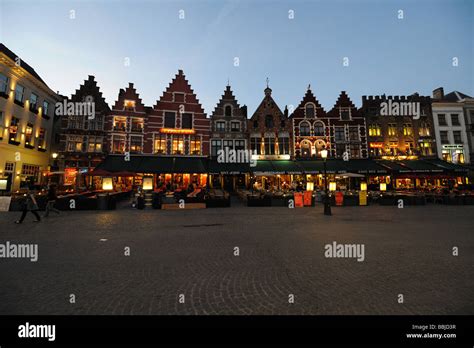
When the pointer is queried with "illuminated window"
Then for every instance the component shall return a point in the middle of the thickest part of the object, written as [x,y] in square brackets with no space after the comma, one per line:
[14,123]
[354,150]
[374,130]
[195,146]
[29,134]
[120,124]
[42,138]
[407,129]
[74,143]
[424,130]
[178,145]
[118,143]
[137,125]
[136,144]
[129,105]
[392,130]
[94,144]
[160,143]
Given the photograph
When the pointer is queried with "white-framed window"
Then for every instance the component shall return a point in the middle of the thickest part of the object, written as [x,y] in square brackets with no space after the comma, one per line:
[235,126]
[4,83]
[75,122]
[74,143]
[159,145]
[94,144]
[305,129]
[45,108]
[220,126]
[345,114]
[309,110]
[136,144]
[228,110]
[19,93]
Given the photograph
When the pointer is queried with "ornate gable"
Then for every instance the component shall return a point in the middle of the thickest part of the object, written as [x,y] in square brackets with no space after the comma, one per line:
[90,88]
[129,94]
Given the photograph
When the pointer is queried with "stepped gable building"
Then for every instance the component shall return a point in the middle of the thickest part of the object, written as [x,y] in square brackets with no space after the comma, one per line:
[309,123]
[83,137]
[229,124]
[399,127]
[270,130]
[125,124]
[347,130]
[177,124]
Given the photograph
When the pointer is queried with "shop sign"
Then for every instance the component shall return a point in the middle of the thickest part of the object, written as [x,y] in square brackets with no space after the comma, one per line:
[453,147]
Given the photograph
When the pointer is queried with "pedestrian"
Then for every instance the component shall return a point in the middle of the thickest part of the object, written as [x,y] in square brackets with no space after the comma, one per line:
[52,197]
[29,204]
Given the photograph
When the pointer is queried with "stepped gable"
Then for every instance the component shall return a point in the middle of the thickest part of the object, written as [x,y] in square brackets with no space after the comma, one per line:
[129,93]
[90,88]
[228,98]
[308,98]
[268,106]
[178,85]
[342,102]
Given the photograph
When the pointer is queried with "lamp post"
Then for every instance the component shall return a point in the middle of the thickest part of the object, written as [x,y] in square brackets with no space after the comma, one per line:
[327,204]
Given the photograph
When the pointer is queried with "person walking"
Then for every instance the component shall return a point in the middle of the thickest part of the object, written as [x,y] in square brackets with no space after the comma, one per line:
[52,197]
[29,204]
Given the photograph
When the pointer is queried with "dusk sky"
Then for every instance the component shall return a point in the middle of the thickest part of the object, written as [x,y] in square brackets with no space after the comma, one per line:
[386,54]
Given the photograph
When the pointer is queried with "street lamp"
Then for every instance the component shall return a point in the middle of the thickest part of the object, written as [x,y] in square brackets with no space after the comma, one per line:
[327,205]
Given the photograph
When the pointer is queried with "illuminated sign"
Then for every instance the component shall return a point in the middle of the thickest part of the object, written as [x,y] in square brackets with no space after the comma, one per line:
[177,131]
[376,145]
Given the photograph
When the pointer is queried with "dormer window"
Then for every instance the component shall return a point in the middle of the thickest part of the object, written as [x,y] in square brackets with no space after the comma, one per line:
[309,112]
[228,110]
[345,114]
[129,105]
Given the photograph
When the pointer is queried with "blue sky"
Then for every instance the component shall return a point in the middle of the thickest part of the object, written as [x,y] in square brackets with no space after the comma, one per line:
[386,54]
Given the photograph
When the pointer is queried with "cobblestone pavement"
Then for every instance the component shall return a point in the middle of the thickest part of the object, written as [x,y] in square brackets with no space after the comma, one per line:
[407,251]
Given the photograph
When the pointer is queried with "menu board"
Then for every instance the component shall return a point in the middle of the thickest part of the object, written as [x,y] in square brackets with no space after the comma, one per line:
[5,203]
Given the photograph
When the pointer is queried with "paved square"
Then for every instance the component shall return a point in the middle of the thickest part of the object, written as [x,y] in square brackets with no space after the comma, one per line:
[407,251]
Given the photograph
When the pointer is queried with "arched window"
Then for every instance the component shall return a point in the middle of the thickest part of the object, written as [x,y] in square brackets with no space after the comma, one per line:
[319,129]
[228,110]
[304,129]
[309,110]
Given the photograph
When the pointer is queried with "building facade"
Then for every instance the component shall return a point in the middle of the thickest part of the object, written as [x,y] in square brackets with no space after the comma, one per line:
[229,125]
[309,128]
[83,139]
[450,126]
[347,130]
[177,125]
[26,123]
[270,130]
[125,124]
[399,127]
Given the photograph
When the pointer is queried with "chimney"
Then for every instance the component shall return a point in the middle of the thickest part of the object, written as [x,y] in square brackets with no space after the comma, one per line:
[244,110]
[286,111]
[438,93]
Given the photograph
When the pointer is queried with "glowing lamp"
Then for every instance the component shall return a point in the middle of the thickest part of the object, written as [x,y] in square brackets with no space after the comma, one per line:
[148,183]
[363,186]
[332,186]
[54,155]
[383,186]
[107,184]
[324,153]
[310,186]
